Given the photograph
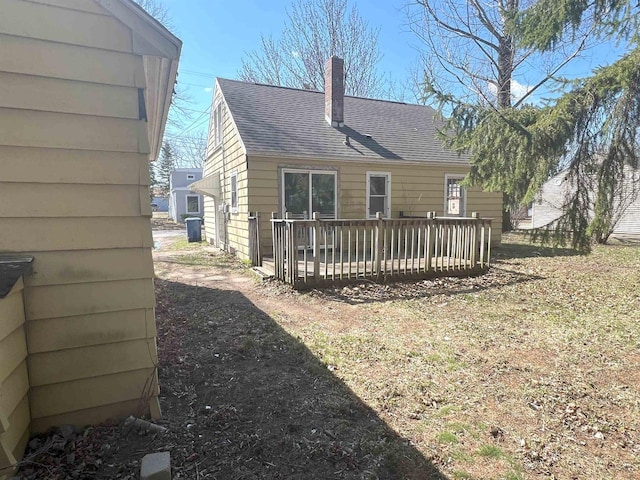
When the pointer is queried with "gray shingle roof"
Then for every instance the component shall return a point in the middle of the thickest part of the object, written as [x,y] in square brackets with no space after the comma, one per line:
[286,121]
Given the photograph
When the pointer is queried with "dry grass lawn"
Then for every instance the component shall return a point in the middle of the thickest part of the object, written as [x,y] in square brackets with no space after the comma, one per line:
[533,372]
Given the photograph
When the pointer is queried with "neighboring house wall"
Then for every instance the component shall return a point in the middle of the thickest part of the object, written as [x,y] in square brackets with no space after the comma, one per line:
[629,221]
[179,204]
[222,160]
[14,379]
[74,194]
[549,203]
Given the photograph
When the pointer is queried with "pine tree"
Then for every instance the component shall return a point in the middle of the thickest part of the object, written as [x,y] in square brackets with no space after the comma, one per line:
[591,129]
[166,165]
[469,47]
[153,181]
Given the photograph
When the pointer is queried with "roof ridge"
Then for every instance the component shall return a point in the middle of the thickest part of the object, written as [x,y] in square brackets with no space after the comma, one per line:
[398,102]
[268,85]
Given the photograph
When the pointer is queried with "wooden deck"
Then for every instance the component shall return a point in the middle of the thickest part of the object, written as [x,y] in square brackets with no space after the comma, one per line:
[311,252]
[351,272]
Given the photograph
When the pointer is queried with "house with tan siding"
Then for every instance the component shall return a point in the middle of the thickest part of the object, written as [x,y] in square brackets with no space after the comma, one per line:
[85,90]
[284,150]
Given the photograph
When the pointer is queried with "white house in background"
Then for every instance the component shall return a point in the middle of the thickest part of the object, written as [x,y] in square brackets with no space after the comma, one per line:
[550,202]
[183,202]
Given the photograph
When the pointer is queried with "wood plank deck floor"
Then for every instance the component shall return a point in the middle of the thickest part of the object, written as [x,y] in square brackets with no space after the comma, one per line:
[360,270]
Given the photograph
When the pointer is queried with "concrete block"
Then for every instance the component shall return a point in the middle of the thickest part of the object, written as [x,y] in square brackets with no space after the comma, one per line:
[156,466]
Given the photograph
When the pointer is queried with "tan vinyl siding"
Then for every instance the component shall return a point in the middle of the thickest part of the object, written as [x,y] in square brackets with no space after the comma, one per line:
[68,96]
[223,160]
[59,398]
[57,60]
[34,200]
[84,298]
[90,415]
[82,266]
[57,234]
[62,130]
[54,334]
[415,189]
[14,380]
[66,166]
[74,195]
[88,362]
[25,19]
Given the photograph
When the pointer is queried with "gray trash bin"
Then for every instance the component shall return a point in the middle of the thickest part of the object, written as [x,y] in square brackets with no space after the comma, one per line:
[194,232]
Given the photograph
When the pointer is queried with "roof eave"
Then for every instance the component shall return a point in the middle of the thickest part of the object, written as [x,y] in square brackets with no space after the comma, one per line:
[160,50]
[376,160]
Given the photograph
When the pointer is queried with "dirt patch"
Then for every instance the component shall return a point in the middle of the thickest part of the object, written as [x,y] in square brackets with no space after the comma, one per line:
[160,221]
[241,398]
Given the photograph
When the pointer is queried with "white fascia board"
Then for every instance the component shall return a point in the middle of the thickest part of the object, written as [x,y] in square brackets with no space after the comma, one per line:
[150,36]
[233,122]
[160,50]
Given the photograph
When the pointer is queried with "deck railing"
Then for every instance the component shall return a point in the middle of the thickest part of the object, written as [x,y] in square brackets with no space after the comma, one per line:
[312,252]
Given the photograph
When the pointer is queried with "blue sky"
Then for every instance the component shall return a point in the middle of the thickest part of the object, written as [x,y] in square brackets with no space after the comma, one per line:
[217,33]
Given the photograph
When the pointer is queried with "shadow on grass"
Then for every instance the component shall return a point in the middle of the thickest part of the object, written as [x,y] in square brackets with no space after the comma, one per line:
[517,245]
[244,399]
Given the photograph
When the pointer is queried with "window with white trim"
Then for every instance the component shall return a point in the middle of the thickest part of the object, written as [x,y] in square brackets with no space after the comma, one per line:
[234,192]
[304,192]
[193,204]
[378,194]
[454,196]
[216,124]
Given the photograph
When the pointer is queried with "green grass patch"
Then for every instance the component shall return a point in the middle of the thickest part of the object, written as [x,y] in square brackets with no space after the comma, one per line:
[184,244]
[462,475]
[447,437]
[490,451]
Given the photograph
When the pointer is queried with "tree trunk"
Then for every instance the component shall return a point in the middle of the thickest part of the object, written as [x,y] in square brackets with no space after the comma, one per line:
[506,52]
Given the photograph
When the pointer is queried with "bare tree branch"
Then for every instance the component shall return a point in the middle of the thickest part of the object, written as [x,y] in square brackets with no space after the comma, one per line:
[315,30]
[157,10]
[473,38]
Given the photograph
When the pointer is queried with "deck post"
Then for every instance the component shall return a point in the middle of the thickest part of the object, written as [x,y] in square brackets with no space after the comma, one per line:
[258,242]
[489,247]
[429,243]
[288,248]
[379,242]
[474,239]
[316,245]
[275,245]
[482,243]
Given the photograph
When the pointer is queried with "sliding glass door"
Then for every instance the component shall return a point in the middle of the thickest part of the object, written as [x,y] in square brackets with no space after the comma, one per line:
[305,192]
[308,191]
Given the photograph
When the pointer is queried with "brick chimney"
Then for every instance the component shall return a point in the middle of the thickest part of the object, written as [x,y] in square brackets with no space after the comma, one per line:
[334,91]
